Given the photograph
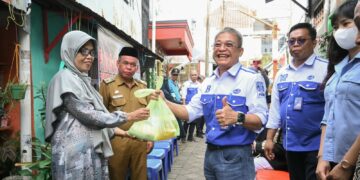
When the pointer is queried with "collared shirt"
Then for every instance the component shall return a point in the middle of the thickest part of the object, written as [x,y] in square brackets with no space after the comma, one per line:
[118,96]
[189,89]
[297,104]
[342,109]
[174,90]
[245,91]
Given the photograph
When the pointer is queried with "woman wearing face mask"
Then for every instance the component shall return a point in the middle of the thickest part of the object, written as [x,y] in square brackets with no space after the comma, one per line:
[341,125]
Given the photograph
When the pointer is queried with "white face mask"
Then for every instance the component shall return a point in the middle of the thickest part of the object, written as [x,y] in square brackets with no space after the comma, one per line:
[346,37]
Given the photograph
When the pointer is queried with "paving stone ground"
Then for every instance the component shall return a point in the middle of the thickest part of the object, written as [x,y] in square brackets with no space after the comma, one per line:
[188,165]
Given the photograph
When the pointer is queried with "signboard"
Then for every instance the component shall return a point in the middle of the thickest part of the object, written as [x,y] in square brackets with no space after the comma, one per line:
[109,46]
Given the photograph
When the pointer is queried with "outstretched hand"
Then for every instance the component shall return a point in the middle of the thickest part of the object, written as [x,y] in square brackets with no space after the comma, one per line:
[155,95]
[138,115]
[226,116]
[121,133]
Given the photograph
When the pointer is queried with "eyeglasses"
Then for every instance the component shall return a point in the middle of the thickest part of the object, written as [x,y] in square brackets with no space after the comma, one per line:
[85,52]
[300,41]
[228,44]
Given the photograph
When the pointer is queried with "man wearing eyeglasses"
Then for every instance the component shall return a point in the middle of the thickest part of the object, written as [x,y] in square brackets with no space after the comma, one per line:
[118,94]
[297,104]
[232,101]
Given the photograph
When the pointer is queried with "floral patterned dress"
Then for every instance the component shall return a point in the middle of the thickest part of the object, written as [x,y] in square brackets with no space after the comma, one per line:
[357,169]
[73,154]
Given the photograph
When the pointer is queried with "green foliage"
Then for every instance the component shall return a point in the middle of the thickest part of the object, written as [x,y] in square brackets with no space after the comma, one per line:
[41,95]
[5,97]
[324,43]
[9,153]
[40,168]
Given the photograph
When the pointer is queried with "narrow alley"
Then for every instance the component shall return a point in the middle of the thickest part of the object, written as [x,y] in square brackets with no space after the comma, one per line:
[188,165]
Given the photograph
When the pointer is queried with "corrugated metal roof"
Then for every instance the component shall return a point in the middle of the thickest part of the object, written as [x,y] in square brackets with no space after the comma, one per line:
[77,7]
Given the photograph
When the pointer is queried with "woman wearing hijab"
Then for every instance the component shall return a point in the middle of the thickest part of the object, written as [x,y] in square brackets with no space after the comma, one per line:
[77,123]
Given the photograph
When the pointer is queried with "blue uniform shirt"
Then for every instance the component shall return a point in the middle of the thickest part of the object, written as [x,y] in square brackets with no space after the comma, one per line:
[297,104]
[245,91]
[189,89]
[174,90]
[342,109]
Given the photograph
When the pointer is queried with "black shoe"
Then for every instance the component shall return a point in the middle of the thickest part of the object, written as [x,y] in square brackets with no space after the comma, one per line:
[200,136]
[191,140]
[183,140]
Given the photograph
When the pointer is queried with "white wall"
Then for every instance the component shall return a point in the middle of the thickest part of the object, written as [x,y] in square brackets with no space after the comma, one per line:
[126,17]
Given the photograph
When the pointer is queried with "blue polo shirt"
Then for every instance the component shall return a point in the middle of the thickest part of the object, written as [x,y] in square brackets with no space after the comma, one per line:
[245,91]
[342,109]
[297,104]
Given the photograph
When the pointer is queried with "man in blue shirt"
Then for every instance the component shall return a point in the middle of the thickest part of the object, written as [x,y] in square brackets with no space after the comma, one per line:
[233,103]
[188,90]
[297,104]
[174,86]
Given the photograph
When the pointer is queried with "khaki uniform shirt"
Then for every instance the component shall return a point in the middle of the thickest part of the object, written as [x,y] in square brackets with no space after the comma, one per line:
[117,96]
[130,155]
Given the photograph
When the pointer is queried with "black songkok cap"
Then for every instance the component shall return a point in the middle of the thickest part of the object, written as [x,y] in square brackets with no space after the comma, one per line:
[129,51]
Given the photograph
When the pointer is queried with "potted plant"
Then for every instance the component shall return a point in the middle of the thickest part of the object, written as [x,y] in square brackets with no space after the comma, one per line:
[18,90]
[5,99]
[9,154]
[40,168]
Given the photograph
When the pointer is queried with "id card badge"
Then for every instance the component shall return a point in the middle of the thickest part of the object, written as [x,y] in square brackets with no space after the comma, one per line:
[298,103]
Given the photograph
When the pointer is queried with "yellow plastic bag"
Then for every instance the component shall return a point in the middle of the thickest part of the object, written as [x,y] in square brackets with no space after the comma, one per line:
[161,124]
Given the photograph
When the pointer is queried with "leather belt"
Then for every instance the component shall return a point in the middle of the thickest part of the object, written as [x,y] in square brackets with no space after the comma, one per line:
[213,147]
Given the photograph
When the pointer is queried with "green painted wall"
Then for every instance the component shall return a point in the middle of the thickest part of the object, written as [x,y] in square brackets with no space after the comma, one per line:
[41,72]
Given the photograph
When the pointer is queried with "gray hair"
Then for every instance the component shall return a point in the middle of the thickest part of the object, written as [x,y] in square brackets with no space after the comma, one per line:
[234,32]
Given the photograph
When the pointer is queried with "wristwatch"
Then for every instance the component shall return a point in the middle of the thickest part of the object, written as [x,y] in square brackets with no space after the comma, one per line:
[346,165]
[240,118]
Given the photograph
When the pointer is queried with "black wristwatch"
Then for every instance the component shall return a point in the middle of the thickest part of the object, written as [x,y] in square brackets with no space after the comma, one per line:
[240,118]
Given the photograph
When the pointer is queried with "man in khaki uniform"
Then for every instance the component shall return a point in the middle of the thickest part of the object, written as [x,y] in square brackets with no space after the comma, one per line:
[118,94]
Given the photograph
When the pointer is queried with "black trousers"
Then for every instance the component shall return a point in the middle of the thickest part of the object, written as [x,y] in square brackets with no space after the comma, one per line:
[181,128]
[200,125]
[302,165]
[189,129]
